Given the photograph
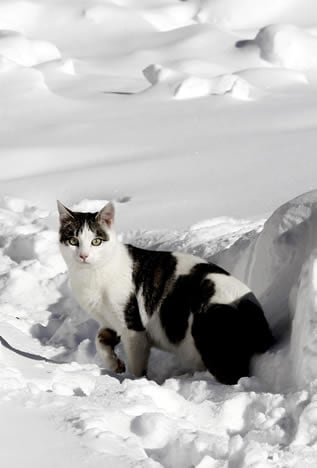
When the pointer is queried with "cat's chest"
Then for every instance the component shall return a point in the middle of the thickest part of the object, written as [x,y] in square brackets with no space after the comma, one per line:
[102,297]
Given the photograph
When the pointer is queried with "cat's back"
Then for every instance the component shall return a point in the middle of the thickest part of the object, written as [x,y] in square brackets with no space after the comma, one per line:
[158,274]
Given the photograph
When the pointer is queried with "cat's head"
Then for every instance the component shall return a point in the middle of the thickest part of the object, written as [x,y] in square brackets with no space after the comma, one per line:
[87,239]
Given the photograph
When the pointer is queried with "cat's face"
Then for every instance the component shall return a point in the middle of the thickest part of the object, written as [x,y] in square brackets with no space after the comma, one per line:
[86,239]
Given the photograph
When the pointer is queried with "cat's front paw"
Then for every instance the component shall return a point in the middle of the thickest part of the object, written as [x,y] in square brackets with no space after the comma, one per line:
[120,368]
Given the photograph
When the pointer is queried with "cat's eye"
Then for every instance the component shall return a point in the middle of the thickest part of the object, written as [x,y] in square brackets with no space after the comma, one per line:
[73,241]
[96,241]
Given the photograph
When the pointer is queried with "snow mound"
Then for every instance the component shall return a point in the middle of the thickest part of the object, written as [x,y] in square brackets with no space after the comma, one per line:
[195,87]
[273,78]
[206,239]
[288,46]
[65,66]
[7,65]
[18,15]
[240,15]
[186,420]
[18,81]
[303,343]
[247,14]
[200,68]
[182,86]
[170,15]
[116,19]
[279,265]
[156,73]
[26,52]
[89,205]
[272,264]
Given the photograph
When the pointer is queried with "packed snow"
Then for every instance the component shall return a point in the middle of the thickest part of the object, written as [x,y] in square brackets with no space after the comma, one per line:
[49,369]
[198,119]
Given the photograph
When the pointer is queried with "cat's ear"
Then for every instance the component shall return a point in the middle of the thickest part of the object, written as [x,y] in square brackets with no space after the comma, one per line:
[64,213]
[106,215]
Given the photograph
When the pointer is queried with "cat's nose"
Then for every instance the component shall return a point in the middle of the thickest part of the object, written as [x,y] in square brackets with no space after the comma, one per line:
[83,257]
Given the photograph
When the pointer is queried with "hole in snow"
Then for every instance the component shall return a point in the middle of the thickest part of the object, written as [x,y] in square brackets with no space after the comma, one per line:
[21,248]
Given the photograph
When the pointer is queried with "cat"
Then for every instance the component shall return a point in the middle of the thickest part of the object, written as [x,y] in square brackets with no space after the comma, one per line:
[171,300]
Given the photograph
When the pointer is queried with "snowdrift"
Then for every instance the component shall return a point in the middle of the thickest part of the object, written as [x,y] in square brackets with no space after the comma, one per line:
[47,346]
[228,93]
[246,14]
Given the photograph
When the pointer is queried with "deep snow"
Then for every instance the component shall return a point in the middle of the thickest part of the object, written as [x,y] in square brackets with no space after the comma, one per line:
[198,118]
[51,379]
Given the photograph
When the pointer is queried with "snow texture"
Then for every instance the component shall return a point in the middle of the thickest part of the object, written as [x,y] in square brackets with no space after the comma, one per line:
[172,419]
[198,119]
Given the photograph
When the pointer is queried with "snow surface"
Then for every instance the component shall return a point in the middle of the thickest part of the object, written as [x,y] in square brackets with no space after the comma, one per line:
[50,377]
[198,118]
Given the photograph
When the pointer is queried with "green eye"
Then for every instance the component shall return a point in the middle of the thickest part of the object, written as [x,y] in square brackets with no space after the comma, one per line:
[96,241]
[73,241]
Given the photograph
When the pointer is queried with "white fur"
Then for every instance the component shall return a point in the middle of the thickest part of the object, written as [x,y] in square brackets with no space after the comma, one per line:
[137,347]
[97,256]
[187,350]
[228,289]
[186,262]
[103,289]
[157,334]
[143,314]
[107,355]
[102,284]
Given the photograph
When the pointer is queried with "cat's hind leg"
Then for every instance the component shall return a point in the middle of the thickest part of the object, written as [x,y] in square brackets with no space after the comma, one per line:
[228,335]
[137,349]
[106,340]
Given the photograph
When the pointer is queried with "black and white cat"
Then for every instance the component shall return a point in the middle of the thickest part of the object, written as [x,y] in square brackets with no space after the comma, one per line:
[174,301]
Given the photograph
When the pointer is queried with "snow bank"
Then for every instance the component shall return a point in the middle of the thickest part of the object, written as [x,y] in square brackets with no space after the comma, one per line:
[279,265]
[27,52]
[170,15]
[19,15]
[186,420]
[175,161]
[273,78]
[272,264]
[182,86]
[116,19]
[195,87]
[288,46]
[246,14]
[303,343]
[18,82]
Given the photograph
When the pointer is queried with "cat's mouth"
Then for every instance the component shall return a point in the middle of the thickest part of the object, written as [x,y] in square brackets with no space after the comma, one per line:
[83,262]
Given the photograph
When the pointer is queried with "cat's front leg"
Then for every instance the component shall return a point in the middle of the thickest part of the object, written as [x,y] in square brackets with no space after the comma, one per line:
[106,340]
[137,349]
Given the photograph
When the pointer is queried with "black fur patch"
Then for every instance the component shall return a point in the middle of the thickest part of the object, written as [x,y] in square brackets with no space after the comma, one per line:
[191,294]
[228,335]
[207,268]
[154,272]
[73,225]
[261,337]
[132,315]
[108,337]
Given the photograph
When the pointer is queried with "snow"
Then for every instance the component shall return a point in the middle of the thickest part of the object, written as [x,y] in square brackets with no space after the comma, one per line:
[49,367]
[26,52]
[255,13]
[198,118]
[287,46]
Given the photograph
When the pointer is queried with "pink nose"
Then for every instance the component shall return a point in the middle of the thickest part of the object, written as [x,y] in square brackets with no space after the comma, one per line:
[83,257]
